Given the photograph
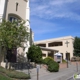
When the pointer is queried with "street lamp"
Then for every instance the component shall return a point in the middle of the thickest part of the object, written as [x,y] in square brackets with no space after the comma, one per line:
[66,52]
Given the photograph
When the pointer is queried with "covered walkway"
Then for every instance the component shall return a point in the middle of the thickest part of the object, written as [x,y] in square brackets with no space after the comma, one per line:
[48,52]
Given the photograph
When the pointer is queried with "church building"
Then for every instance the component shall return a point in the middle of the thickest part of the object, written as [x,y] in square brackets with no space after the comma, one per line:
[17,10]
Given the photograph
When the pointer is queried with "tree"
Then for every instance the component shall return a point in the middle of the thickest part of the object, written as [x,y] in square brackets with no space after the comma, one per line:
[76,46]
[13,35]
[34,54]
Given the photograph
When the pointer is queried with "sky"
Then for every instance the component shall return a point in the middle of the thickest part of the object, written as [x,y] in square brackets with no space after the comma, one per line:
[54,18]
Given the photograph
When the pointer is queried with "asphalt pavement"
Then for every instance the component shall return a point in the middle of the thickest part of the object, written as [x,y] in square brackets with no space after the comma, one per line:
[63,74]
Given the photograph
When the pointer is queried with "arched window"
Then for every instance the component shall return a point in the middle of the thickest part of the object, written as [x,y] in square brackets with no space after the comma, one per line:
[13,18]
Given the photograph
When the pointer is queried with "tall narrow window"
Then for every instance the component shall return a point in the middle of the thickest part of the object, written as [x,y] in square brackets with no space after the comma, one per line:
[16,6]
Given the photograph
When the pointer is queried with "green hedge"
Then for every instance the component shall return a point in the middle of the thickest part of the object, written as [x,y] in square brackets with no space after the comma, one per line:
[47,60]
[14,74]
[52,65]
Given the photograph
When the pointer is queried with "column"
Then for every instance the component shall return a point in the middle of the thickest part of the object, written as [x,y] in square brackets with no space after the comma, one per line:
[2,6]
[28,15]
[46,53]
[27,24]
[46,44]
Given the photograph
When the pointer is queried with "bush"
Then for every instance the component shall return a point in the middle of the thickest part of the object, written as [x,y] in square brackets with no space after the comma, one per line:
[63,61]
[53,66]
[47,60]
[34,54]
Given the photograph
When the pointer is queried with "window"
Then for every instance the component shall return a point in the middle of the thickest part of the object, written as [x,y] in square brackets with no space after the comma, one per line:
[41,45]
[53,44]
[44,55]
[12,18]
[16,6]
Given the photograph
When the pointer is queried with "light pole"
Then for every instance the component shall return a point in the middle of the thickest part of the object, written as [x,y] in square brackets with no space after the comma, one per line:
[66,52]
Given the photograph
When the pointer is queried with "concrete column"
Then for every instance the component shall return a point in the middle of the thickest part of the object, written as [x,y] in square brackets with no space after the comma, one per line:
[1,18]
[47,54]
[64,55]
[2,8]
[27,24]
[28,15]
[46,44]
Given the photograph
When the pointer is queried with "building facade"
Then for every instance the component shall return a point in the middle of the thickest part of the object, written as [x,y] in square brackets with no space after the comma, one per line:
[17,10]
[63,45]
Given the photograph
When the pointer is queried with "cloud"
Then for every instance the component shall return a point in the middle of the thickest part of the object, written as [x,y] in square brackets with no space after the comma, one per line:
[42,27]
[61,2]
[50,9]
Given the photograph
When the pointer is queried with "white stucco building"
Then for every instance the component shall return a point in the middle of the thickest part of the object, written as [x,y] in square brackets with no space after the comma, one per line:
[63,45]
[17,10]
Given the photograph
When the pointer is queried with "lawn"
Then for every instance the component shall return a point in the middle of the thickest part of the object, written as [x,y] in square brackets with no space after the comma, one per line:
[12,74]
[2,77]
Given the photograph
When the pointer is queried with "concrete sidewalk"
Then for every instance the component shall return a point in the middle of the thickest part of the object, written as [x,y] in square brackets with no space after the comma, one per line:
[63,74]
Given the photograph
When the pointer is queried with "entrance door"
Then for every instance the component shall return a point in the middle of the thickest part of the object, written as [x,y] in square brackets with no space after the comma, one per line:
[68,56]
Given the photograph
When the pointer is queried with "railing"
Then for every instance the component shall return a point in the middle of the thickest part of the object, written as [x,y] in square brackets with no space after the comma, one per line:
[19,66]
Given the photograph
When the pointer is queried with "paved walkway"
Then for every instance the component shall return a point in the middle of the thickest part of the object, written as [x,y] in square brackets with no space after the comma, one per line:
[63,73]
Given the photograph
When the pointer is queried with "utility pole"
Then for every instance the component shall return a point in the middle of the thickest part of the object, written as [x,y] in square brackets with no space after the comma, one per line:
[66,52]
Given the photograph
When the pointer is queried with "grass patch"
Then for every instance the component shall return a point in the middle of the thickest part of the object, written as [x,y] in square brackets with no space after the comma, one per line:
[63,61]
[14,74]
[2,77]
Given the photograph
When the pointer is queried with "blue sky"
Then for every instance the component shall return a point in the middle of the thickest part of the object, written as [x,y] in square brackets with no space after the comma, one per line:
[54,18]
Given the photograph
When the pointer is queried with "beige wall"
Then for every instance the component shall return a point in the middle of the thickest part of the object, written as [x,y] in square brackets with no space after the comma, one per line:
[62,49]
[11,8]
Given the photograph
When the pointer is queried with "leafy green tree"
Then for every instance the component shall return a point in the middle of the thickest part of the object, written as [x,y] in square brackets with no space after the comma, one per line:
[13,34]
[76,46]
[34,54]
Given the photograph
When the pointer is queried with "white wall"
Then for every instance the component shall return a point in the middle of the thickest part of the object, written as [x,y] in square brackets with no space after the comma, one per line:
[2,6]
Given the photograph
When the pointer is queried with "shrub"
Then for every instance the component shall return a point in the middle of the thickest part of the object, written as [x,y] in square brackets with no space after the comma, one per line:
[34,54]
[47,60]
[53,66]
[63,61]
[41,61]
